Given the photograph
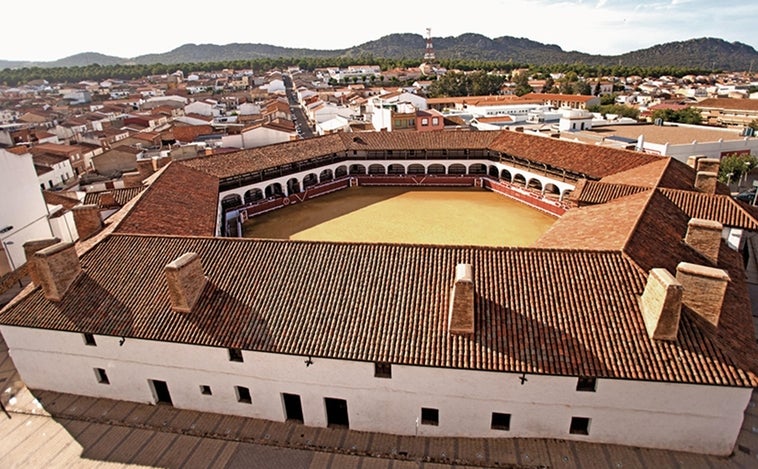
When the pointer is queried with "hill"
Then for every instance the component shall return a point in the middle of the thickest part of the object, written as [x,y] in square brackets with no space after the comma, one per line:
[701,53]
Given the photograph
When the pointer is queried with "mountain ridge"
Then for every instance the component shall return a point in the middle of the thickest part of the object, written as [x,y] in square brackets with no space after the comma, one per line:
[704,53]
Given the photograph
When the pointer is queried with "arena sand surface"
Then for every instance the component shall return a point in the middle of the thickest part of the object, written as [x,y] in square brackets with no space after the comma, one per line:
[428,215]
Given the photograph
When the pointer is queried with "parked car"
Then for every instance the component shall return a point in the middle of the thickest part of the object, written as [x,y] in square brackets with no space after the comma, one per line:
[747,196]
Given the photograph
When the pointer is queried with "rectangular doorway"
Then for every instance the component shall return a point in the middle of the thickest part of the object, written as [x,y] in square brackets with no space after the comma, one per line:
[160,392]
[336,413]
[293,408]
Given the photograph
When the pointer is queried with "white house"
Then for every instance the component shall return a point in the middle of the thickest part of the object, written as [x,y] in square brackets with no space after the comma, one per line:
[203,108]
[23,213]
[52,170]
[337,124]
[258,135]
[249,109]
[274,86]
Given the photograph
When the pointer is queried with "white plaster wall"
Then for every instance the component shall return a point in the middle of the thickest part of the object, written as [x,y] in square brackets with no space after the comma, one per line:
[660,415]
[528,175]
[59,173]
[709,149]
[64,227]
[21,205]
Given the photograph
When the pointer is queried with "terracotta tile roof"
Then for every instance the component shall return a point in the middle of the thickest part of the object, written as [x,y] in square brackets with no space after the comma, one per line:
[255,159]
[538,311]
[121,195]
[662,172]
[596,192]
[181,201]
[728,103]
[433,140]
[56,198]
[592,160]
[606,226]
[559,97]
[717,207]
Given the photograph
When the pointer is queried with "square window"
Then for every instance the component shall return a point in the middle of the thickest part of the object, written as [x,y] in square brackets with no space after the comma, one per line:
[102,376]
[424,121]
[580,426]
[235,355]
[435,121]
[382,370]
[430,416]
[89,339]
[586,384]
[500,421]
[243,395]
[205,389]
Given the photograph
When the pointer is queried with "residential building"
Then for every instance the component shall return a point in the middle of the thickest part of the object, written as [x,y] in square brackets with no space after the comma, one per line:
[120,159]
[728,112]
[52,170]
[261,134]
[23,212]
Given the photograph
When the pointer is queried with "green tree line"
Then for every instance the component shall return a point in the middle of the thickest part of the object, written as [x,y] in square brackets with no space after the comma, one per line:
[15,77]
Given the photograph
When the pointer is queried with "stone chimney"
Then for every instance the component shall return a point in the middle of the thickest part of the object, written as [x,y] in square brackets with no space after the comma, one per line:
[704,289]
[145,168]
[705,237]
[132,179]
[693,159]
[708,165]
[705,181]
[57,267]
[87,220]
[106,199]
[661,305]
[30,248]
[185,281]
[461,314]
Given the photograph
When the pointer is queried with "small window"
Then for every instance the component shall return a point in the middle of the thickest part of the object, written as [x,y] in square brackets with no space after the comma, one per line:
[430,416]
[102,376]
[89,339]
[424,121]
[205,390]
[500,421]
[435,121]
[382,370]
[235,355]
[580,426]
[243,395]
[586,384]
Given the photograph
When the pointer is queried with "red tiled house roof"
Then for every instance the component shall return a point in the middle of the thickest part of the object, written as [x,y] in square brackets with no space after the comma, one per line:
[121,196]
[357,310]
[182,201]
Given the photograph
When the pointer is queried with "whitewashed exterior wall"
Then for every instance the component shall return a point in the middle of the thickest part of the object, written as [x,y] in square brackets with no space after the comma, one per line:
[257,137]
[21,207]
[682,417]
[59,173]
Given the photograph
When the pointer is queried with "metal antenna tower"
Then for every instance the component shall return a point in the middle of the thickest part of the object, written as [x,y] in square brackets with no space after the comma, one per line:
[429,54]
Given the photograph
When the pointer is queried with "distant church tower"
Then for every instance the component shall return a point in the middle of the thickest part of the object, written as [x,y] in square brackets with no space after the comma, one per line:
[429,54]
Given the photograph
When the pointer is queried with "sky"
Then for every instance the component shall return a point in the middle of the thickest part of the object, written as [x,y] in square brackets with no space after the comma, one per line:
[53,29]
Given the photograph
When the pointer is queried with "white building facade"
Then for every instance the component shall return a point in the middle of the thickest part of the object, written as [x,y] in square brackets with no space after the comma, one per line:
[23,212]
[412,401]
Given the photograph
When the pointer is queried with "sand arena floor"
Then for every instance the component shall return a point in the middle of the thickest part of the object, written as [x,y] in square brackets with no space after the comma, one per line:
[429,215]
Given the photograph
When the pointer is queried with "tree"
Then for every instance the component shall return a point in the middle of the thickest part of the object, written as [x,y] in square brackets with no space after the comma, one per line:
[522,85]
[549,85]
[732,167]
[687,115]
